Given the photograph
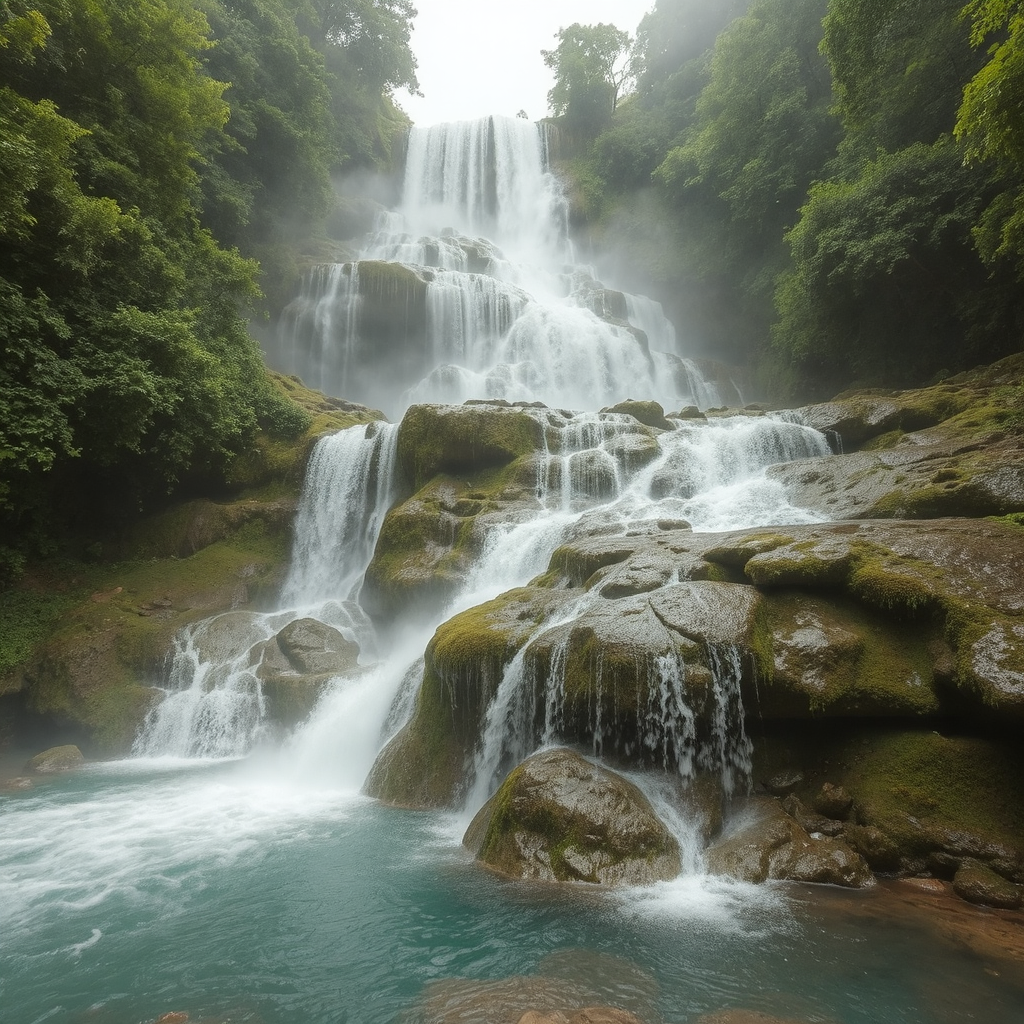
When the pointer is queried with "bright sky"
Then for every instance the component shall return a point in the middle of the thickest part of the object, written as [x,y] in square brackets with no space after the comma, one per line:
[479,57]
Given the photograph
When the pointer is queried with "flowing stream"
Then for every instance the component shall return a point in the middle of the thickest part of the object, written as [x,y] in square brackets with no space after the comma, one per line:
[234,872]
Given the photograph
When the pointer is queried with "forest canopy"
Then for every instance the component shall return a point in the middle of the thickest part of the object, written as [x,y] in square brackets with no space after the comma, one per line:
[162,160]
[828,191]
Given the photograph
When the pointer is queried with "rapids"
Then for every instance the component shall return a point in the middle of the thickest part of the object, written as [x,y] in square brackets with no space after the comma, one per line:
[235,873]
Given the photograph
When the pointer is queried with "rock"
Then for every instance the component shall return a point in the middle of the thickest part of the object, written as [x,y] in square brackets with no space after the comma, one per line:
[314,648]
[56,759]
[588,1015]
[832,801]
[15,784]
[771,845]
[651,414]
[785,782]
[425,764]
[174,1017]
[560,818]
[976,883]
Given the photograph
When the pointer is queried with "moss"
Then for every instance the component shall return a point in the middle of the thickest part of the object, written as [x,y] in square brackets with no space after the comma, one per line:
[846,660]
[891,583]
[30,612]
[805,564]
[575,567]
[440,439]
[424,765]
[974,785]
[736,554]
[282,460]
[928,794]
[884,441]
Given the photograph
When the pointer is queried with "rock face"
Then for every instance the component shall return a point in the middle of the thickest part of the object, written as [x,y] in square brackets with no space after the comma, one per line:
[558,817]
[770,844]
[936,452]
[57,759]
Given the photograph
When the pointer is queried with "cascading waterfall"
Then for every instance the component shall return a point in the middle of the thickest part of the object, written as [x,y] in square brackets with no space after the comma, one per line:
[433,311]
[213,705]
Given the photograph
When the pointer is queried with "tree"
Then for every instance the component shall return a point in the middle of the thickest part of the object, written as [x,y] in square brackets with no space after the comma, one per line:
[887,287]
[989,122]
[591,69]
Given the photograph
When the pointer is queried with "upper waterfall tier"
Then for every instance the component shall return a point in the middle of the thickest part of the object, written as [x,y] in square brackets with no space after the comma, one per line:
[470,290]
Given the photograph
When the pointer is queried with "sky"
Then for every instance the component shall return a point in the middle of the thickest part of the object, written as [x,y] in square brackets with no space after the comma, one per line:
[479,57]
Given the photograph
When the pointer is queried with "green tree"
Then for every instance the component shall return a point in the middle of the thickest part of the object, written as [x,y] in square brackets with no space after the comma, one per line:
[990,125]
[591,67]
[887,286]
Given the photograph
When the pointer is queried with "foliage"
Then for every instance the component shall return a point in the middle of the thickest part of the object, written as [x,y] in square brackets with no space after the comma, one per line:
[886,285]
[591,68]
[989,122]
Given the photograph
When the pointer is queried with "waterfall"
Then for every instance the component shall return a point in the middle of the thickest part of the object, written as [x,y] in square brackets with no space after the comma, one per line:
[470,290]
[349,487]
[213,704]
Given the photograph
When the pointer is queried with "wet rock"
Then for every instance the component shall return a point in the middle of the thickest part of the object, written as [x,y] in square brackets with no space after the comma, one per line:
[314,648]
[976,883]
[809,821]
[651,414]
[767,843]
[832,801]
[558,817]
[16,784]
[518,1000]
[588,1015]
[425,764]
[65,758]
[785,782]
[754,1017]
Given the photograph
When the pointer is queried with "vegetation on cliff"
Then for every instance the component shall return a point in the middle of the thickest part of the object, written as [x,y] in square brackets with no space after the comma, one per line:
[828,189]
[138,196]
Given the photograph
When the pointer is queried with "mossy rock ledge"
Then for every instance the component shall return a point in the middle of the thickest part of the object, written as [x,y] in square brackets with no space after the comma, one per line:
[954,449]
[84,642]
[557,817]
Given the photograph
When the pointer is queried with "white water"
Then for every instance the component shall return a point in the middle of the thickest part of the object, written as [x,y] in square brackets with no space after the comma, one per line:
[506,319]
[501,309]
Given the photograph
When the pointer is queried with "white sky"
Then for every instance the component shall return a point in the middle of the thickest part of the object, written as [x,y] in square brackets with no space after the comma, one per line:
[479,57]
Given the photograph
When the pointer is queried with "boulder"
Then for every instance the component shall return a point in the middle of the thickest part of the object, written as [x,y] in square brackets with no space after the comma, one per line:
[56,759]
[558,817]
[314,648]
[767,843]
[651,414]
[977,883]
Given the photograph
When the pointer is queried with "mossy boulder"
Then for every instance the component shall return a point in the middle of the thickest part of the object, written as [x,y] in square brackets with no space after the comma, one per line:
[955,449]
[921,802]
[55,760]
[296,665]
[463,439]
[901,618]
[557,817]
[766,843]
[649,413]
[426,764]
[977,883]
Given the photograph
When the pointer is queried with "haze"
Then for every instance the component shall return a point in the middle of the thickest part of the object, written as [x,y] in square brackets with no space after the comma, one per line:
[477,58]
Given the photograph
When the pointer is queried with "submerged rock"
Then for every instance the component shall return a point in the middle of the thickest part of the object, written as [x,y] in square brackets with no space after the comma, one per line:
[558,817]
[56,759]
